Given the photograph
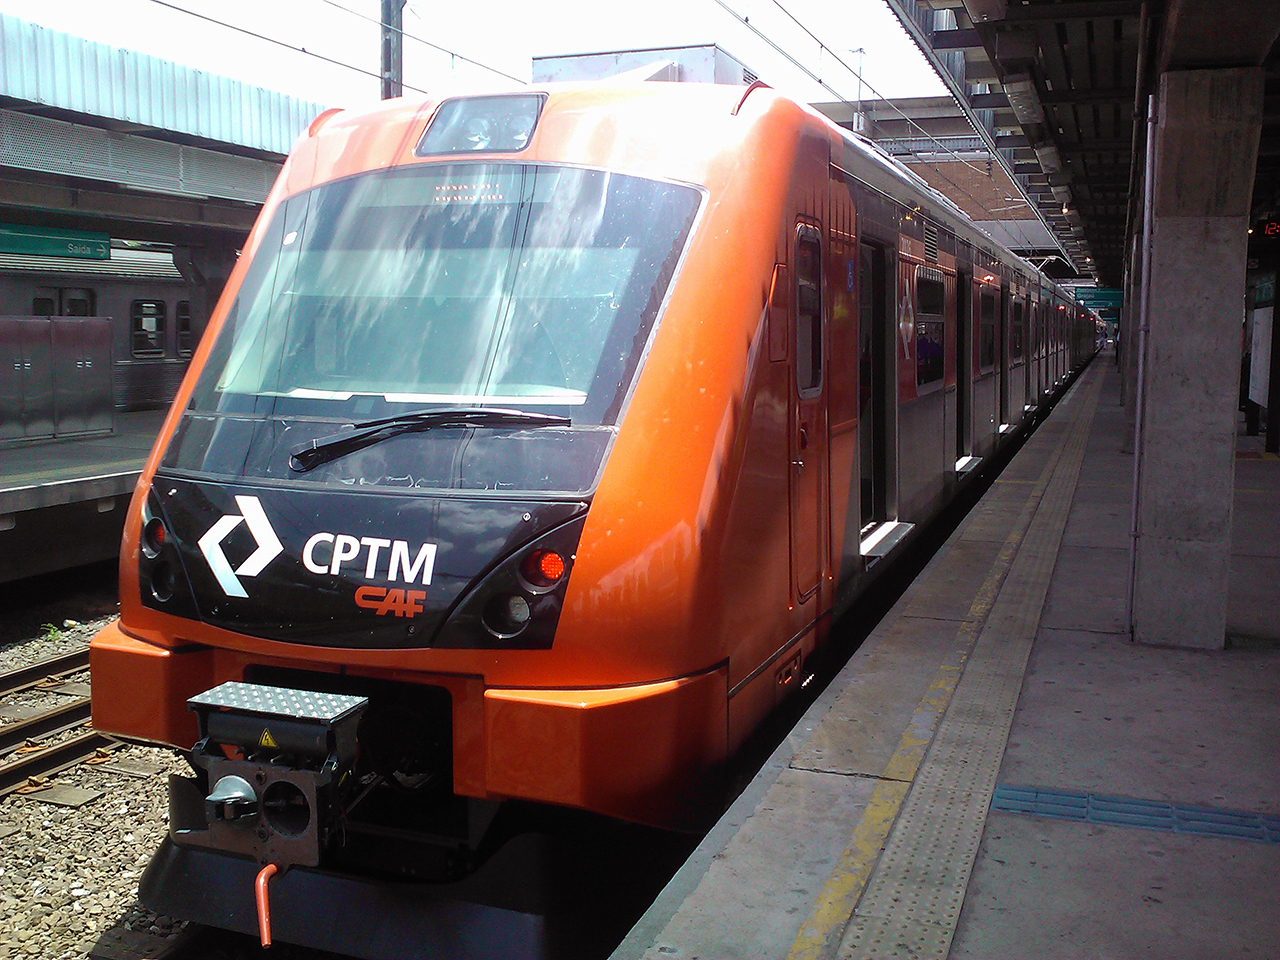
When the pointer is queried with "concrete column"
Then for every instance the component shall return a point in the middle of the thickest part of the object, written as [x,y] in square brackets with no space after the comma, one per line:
[1206,153]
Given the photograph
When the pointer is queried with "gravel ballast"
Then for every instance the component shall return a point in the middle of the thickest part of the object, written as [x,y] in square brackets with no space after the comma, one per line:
[68,875]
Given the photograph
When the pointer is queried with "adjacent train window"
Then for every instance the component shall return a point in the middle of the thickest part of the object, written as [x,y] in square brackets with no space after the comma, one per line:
[1015,332]
[44,307]
[930,342]
[148,328]
[182,320]
[987,331]
[808,308]
[77,302]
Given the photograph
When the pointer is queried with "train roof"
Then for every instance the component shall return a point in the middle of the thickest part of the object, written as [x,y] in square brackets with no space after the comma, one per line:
[123,264]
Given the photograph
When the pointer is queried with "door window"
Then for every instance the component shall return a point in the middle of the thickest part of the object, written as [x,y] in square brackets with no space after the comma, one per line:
[148,328]
[808,310]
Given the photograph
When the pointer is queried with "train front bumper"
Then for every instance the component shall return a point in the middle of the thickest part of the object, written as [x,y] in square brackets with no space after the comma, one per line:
[650,753]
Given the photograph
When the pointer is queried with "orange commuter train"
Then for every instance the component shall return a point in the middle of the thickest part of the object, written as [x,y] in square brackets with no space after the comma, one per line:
[529,452]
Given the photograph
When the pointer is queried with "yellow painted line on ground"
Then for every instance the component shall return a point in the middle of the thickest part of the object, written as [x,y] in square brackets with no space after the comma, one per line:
[929,853]
[820,934]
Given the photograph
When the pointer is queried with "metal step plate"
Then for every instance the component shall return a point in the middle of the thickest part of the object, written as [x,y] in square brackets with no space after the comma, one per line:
[263,701]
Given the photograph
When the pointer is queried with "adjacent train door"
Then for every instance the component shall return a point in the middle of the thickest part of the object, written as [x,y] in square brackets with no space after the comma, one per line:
[808,420]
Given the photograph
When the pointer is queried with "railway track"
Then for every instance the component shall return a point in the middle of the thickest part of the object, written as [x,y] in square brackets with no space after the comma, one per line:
[50,669]
[24,759]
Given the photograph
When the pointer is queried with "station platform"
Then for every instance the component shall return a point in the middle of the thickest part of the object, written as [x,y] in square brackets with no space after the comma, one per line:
[998,771]
[62,502]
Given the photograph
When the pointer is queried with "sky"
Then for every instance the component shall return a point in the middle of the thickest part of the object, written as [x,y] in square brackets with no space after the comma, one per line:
[502,34]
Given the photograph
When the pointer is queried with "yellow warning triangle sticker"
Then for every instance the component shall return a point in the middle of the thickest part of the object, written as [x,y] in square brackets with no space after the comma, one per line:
[266,740]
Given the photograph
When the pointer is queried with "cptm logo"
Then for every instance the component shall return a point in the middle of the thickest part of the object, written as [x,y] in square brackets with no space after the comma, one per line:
[395,556]
[269,546]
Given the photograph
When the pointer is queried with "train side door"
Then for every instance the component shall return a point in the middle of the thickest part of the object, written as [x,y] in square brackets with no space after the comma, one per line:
[1004,368]
[874,382]
[964,365]
[808,424]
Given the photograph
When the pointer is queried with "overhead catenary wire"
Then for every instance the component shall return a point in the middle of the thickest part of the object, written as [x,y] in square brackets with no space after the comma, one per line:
[278,43]
[812,76]
[427,43]
[858,76]
[1030,206]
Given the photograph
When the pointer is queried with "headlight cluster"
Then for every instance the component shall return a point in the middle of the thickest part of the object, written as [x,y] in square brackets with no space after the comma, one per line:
[517,604]
[507,614]
[159,575]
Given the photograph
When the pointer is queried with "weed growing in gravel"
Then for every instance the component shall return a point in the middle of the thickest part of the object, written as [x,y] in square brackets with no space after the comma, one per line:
[52,632]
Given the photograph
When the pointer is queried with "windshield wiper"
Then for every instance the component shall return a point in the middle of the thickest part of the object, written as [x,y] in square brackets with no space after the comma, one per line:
[311,454]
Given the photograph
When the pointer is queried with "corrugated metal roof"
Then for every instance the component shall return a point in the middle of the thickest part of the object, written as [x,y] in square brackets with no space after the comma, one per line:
[146,264]
[47,145]
[55,69]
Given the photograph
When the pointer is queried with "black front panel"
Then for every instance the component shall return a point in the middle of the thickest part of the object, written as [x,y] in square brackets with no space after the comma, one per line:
[349,569]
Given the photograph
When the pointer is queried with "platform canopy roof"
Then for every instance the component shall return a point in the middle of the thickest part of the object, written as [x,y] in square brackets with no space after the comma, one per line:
[101,138]
[60,74]
[1058,89]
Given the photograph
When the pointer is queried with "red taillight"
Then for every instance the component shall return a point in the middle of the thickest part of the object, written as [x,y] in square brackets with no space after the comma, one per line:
[543,568]
[153,537]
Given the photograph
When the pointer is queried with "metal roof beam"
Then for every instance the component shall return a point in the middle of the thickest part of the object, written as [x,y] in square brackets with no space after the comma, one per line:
[989,101]
[960,39]
[1065,12]
[1118,95]
[128,214]
[1097,146]
[1012,140]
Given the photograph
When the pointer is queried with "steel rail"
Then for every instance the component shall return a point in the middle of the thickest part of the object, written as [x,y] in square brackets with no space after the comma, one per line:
[52,759]
[12,681]
[65,716]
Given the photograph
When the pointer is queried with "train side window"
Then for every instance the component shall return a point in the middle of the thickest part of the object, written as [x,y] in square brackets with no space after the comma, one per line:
[43,307]
[987,333]
[1015,332]
[808,309]
[148,328]
[930,294]
[182,320]
[930,340]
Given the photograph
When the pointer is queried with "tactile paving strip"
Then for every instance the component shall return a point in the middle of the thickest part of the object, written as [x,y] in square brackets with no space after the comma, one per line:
[278,701]
[912,901]
[1129,812]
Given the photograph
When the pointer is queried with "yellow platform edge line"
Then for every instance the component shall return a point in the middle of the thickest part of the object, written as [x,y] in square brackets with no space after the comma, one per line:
[820,933]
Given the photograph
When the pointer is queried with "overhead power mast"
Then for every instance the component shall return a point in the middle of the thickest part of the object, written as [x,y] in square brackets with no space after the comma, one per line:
[392,48]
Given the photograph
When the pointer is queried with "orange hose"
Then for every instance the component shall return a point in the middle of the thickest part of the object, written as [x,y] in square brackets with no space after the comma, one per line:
[264,906]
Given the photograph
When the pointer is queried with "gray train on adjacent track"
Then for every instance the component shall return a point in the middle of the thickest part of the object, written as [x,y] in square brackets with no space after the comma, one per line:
[80,339]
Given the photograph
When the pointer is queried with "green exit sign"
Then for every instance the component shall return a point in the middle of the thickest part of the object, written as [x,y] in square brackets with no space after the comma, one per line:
[43,242]
[1099,298]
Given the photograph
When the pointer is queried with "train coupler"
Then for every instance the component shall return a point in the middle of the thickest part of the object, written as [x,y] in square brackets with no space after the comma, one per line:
[278,764]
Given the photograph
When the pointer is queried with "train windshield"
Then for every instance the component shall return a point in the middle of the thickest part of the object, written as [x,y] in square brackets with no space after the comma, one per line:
[524,286]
